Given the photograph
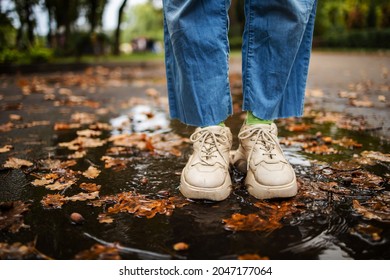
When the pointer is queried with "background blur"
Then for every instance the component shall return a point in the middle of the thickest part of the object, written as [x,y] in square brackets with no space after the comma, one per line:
[36,31]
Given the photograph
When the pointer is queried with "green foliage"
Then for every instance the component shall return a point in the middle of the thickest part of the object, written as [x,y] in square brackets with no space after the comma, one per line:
[368,38]
[143,20]
[33,55]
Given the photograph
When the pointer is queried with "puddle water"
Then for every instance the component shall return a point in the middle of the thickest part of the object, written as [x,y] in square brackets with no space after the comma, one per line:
[321,223]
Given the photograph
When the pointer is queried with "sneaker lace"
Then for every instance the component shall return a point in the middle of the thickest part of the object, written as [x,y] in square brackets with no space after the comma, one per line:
[209,141]
[262,138]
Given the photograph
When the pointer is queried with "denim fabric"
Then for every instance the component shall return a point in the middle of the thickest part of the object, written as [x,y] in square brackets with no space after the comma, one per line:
[275,58]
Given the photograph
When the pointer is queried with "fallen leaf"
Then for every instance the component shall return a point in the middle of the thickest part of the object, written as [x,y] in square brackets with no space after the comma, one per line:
[60,184]
[11,215]
[6,148]
[66,126]
[251,222]
[105,219]
[116,163]
[53,201]
[375,155]
[369,232]
[99,252]
[88,133]
[180,246]
[361,103]
[17,251]
[15,117]
[298,127]
[17,163]
[375,210]
[90,187]
[83,196]
[92,172]
[252,257]
[6,127]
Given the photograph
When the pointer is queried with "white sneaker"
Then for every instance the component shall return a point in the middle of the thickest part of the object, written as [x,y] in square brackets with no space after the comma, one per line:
[269,174]
[206,174]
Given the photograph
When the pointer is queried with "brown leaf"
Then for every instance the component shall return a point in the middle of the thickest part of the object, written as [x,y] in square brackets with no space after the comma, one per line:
[88,133]
[361,103]
[181,246]
[60,184]
[6,127]
[15,117]
[375,155]
[320,150]
[368,231]
[105,219]
[116,163]
[252,257]
[17,163]
[99,252]
[11,215]
[66,126]
[92,172]
[53,201]
[90,187]
[6,148]
[83,196]
[376,210]
[251,222]
[298,127]
[16,251]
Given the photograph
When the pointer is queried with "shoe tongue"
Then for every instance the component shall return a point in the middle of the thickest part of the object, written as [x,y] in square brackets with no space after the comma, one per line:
[268,127]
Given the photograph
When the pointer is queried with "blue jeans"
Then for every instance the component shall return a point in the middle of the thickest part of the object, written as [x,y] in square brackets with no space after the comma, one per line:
[275,58]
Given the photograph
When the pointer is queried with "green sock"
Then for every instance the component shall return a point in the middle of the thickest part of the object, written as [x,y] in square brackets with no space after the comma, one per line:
[251,119]
[220,124]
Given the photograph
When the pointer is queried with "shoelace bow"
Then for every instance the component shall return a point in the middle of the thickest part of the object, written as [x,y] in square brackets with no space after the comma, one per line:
[209,143]
[262,139]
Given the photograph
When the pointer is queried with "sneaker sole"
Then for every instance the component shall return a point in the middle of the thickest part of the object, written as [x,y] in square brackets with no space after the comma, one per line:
[266,192]
[215,194]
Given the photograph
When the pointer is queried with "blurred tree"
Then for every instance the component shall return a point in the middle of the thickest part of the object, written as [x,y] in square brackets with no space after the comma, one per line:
[118,28]
[6,29]
[62,14]
[94,13]
[25,11]
[144,20]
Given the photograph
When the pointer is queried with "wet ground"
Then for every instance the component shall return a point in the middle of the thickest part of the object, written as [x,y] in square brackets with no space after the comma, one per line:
[90,166]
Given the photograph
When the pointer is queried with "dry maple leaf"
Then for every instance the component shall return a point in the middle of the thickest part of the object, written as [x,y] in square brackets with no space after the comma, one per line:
[90,187]
[42,182]
[53,201]
[99,252]
[105,219]
[251,222]
[88,133]
[60,184]
[298,127]
[92,172]
[83,196]
[11,215]
[17,163]
[375,210]
[66,126]
[375,155]
[181,246]
[117,164]
[6,148]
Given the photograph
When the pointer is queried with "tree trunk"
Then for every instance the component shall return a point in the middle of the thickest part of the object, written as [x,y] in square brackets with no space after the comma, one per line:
[118,28]
[30,22]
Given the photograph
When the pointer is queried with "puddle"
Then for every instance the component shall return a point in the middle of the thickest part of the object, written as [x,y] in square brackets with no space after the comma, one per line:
[340,212]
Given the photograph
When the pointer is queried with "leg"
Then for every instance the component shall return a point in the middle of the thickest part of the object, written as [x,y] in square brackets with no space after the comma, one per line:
[276,52]
[196,53]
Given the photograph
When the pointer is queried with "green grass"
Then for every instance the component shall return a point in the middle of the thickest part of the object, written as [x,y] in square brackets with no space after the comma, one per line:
[135,57]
